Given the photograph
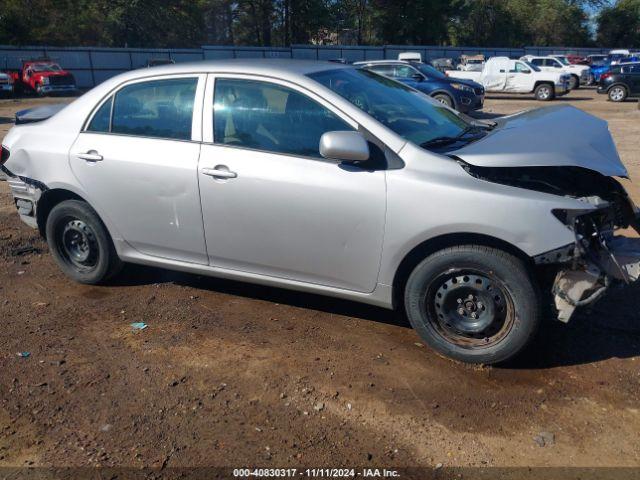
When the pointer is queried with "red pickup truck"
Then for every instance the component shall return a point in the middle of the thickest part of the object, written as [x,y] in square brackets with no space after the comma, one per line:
[44,77]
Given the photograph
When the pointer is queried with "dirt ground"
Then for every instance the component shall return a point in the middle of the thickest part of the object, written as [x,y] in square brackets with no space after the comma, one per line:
[234,375]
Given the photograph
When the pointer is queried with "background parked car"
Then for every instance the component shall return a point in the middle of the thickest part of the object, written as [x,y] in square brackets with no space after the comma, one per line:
[471,63]
[620,82]
[463,95]
[43,76]
[6,84]
[596,60]
[503,75]
[580,74]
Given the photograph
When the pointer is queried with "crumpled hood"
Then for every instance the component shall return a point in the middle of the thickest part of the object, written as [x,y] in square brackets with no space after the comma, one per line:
[553,136]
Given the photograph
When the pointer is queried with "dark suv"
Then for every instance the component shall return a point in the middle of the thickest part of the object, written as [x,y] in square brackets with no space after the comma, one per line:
[463,95]
[621,81]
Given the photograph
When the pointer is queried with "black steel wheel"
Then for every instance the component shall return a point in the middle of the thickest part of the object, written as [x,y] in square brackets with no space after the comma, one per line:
[80,243]
[469,308]
[473,303]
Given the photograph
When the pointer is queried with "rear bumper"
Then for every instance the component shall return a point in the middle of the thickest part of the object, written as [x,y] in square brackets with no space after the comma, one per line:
[26,193]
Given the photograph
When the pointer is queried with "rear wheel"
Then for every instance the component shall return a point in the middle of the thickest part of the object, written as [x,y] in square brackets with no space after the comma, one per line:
[80,243]
[472,303]
[544,92]
[444,99]
[617,93]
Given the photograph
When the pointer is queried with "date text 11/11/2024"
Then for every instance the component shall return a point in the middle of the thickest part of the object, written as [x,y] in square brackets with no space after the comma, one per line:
[315,473]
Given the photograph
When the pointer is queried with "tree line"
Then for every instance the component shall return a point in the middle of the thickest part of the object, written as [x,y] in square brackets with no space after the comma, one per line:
[192,23]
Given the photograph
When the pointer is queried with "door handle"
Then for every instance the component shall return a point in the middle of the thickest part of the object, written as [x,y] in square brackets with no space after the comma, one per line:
[90,156]
[220,171]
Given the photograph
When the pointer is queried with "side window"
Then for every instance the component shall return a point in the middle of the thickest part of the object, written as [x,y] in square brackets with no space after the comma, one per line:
[404,71]
[269,117]
[159,108]
[634,69]
[386,70]
[537,62]
[101,121]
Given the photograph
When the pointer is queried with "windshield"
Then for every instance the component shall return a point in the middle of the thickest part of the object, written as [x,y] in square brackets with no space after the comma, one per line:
[46,67]
[407,112]
[429,71]
[563,60]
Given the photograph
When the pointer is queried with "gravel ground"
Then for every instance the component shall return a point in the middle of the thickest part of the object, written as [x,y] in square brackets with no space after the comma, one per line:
[235,375]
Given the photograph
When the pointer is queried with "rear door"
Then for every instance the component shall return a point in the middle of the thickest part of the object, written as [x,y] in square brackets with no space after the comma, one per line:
[272,206]
[137,159]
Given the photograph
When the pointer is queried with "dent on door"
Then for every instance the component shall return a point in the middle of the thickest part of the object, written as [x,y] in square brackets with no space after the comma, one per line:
[149,190]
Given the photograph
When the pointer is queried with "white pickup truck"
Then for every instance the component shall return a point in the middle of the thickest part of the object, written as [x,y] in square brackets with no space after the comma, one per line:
[580,74]
[501,74]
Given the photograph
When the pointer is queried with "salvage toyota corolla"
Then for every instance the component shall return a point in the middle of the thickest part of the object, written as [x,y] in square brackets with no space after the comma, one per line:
[331,179]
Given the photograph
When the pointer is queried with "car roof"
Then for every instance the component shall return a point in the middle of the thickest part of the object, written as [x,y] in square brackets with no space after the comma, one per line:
[382,62]
[281,68]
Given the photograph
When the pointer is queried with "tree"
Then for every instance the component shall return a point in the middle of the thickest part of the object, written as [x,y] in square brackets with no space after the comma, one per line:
[619,26]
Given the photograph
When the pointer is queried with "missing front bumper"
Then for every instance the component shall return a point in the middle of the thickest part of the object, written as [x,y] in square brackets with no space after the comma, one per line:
[585,282]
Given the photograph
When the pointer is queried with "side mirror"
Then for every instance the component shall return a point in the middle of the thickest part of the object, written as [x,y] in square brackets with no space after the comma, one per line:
[345,146]
[525,71]
[417,77]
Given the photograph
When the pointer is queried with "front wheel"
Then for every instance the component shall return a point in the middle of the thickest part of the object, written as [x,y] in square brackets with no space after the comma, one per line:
[473,303]
[544,92]
[444,99]
[574,83]
[80,243]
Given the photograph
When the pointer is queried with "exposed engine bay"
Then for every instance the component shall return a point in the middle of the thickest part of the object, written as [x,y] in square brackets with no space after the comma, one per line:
[599,258]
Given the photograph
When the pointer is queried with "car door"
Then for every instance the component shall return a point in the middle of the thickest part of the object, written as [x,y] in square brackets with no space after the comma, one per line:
[519,78]
[271,204]
[137,159]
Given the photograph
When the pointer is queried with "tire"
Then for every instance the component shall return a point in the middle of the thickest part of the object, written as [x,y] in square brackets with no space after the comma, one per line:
[80,243]
[492,284]
[444,99]
[617,93]
[545,92]
[575,82]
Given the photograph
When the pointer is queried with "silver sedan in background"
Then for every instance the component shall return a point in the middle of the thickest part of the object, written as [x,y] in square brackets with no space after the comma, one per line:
[331,179]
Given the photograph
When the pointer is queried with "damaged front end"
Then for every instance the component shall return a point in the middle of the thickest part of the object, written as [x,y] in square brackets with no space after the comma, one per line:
[599,257]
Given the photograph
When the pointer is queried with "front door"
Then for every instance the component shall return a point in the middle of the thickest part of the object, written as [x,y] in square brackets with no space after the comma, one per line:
[138,160]
[271,204]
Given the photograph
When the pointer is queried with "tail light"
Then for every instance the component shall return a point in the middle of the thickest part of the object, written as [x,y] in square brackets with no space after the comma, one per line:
[4,156]
[605,75]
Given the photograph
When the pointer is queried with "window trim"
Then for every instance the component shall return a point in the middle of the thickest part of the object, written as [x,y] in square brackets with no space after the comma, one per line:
[196,119]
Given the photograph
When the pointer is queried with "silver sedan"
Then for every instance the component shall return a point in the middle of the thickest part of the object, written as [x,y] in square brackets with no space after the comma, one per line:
[331,179]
